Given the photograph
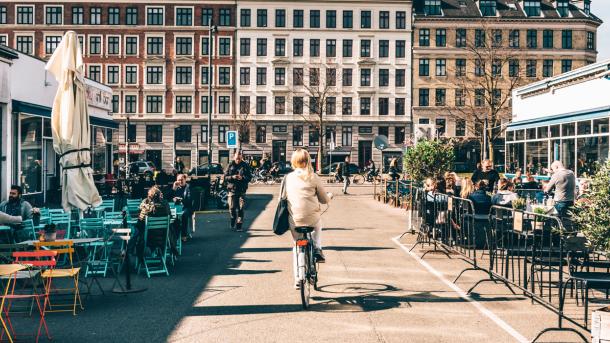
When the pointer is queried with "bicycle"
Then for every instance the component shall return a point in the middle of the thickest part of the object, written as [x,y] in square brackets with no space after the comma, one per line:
[306,264]
[363,177]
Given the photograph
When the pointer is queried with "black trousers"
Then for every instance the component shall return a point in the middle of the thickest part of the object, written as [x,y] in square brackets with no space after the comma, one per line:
[237,202]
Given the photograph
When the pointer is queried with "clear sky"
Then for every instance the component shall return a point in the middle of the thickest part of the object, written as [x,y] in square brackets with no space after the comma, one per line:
[601,8]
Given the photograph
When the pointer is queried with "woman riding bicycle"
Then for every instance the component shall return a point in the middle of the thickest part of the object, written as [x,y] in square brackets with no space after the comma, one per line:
[305,193]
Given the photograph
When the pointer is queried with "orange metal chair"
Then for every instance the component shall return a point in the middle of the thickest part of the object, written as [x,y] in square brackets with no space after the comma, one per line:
[65,248]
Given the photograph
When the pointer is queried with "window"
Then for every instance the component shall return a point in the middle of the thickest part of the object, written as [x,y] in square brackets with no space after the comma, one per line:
[479,97]
[154,75]
[131,17]
[530,68]
[314,19]
[298,18]
[399,107]
[131,75]
[280,18]
[513,39]
[280,105]
[205,46]
[432,7]
[331,77]
[479,68]
[297,105]
[261,76]
[95,45]
[384,19]
[384,77]
[365,19]
[365,48]
[25,44]
[261,47]
[297,47]
[441,37]
[424,97]
[399,135]
[183,104]
[205,75]
[424,37]
[113,45]
[591,40]
[365,129]
[460,127]
[460,98]
[78,16]
[331,48]
[314,48]
[244,104]
[479,38]
[346,106]
[95,73]
[566,66]
[460,38]
[206,16]
[184,75]
[225,17]
[297,135]
[532,39]
[547,39]
[51,43]
[496,38]
[496,68]
[297,76]
[587,7]
[184,16]
[547,68]
[314,136]
[112,75]
[224,46]
[384,106]
[346,79]
[184,46]
[130,105]
[131,45]
[331,105]
[365,77]
[222,133]
[183,133]
[154,133]
[131,133]
[154,104]
[154,15]
[460,67]
[401,20]
[488,8]
[280,47]
[53,15]
[244,46]
[424,67]
[244,76]
[384,131]
[563,8]
[114,14]
[331,19]
[245,17]
[440,98]
[25,15]
[384,48]
[314,76]
[348,19]
[400,77]
[365,106]
[280,76]
[261,105]
[347,47]
[224,104]
[261,134]
[205,104]
[532,8]
[401,49]
[154,45]
[441,67]
[346,136]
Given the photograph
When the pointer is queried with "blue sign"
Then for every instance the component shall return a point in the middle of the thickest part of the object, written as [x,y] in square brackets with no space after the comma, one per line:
[231,139]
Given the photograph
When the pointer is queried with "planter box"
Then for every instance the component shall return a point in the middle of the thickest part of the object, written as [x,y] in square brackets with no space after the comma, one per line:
[600,326]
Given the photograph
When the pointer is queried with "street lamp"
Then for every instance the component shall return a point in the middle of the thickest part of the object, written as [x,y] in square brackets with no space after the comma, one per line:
[213,29]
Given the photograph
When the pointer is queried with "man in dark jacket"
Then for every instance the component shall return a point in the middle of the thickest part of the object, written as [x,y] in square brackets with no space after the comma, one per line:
[182,196]
[236,179]
[486,174]
[345,174]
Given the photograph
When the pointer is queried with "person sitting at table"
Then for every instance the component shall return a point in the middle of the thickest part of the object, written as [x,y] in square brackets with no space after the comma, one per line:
[15,205]
[505,195]
[531,182]
[153,206]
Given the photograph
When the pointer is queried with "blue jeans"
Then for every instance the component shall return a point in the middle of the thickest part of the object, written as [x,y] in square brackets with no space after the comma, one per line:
[562,208]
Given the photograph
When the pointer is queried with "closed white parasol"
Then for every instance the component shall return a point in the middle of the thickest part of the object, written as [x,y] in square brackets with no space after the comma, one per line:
[70,126]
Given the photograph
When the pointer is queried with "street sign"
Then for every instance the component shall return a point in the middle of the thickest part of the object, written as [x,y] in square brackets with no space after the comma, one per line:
[232,139]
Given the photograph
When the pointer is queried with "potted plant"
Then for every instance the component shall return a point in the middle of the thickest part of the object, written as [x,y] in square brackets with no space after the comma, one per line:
[49,233]
[540,219]
[519,204]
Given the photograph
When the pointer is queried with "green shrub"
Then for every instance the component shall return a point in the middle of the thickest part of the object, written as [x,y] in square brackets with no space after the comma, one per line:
[428,159]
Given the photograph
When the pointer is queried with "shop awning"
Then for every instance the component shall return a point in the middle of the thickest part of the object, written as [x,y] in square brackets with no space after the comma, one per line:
[603,112]
[44,111]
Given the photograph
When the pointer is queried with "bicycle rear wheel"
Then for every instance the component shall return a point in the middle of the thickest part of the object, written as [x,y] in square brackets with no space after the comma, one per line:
[358,179]
[305,282]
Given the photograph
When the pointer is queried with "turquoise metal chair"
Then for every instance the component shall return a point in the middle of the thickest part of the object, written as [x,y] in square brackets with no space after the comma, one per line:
[134,202]
[26,233]
[63,223]
[98,260]
[156,241]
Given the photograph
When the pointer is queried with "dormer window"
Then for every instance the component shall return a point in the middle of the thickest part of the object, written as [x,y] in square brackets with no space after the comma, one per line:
[432,7]
[563,7]
[587,7]
[488,8]
[532,8]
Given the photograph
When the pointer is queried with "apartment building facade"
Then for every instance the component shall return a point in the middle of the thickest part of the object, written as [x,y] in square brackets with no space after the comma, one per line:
[544,37]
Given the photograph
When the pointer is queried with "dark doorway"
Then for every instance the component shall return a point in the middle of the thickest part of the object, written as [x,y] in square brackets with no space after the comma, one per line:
[365,152]
[279,151]
[223,158]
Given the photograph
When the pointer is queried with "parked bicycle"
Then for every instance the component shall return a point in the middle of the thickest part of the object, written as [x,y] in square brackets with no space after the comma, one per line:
[219,193]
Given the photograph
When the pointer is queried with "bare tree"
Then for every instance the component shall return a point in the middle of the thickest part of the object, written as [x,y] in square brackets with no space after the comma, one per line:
[484,92]
[242,121]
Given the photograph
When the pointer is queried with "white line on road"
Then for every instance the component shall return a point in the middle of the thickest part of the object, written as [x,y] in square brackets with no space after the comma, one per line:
[502,324]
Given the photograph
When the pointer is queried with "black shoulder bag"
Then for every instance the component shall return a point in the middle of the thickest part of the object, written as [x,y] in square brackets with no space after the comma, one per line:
[280,222]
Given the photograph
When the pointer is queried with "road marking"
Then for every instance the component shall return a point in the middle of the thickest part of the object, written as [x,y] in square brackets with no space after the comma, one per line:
[482,309]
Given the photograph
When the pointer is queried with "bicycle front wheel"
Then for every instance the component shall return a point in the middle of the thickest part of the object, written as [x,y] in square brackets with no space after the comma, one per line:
[358,179]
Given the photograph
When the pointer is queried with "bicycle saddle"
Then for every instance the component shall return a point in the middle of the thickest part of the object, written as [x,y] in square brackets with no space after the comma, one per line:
[303,229]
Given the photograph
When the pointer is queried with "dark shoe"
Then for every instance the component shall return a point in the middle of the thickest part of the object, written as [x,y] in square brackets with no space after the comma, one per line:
[319,256]
[239,227]
[232,224]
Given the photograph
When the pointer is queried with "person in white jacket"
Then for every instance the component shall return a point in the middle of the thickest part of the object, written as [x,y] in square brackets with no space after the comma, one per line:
[7,219]
[305,193]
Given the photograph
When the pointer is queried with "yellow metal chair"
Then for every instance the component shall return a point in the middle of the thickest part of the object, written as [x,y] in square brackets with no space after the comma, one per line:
[68,270]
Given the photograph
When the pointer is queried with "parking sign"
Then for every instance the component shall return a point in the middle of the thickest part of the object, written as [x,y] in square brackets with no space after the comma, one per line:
[232,139]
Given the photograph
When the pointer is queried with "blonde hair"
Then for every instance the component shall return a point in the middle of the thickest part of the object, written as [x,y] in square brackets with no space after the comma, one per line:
[467,188]
[301,159]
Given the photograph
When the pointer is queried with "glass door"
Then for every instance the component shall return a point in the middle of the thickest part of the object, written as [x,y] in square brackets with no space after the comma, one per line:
[50,168]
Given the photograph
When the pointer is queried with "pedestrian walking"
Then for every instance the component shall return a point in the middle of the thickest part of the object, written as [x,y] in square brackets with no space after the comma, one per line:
[563,181]
[345,173]
[236,178]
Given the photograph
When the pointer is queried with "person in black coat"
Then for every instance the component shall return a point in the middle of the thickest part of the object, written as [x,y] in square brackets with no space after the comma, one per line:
[345,173]
[182,196]
[488,174]
[236,178]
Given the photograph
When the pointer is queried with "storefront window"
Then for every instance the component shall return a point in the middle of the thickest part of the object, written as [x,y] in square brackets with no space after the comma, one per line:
[568,151]
[543,132]
[31,154]
[591,152]
[537,157]
[584,127]
[531,133]
[600,125]
[555,131]
[519,135]
[99,151]
[515,158]
[568,129]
